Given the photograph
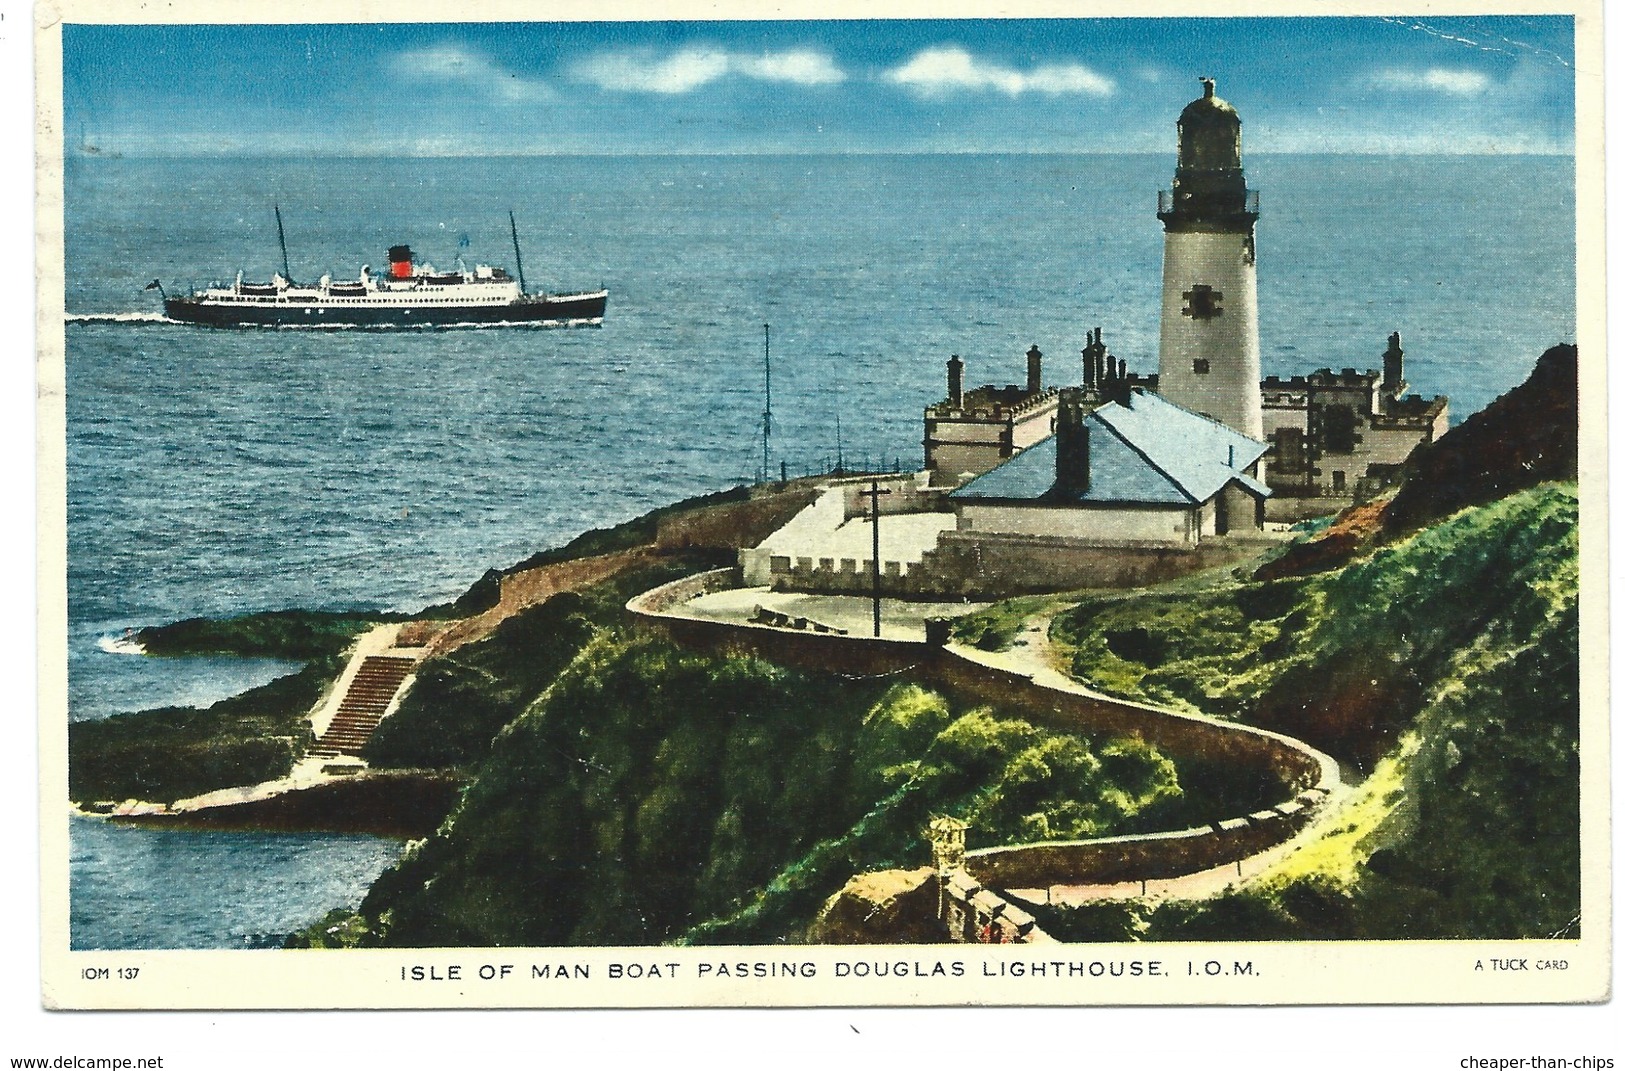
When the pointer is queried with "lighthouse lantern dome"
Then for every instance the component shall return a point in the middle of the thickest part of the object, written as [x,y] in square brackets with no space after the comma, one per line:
[1209,133]
[1210,189]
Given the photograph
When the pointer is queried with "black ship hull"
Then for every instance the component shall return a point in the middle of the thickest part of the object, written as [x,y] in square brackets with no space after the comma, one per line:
[567,309]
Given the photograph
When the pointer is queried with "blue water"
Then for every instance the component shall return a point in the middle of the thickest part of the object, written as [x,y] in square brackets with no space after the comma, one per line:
[220,890]
[213,472]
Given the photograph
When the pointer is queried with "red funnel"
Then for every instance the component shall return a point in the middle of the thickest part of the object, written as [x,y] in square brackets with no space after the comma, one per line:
[400,261]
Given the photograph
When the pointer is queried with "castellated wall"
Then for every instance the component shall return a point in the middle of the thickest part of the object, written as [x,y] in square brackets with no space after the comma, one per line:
[1351,440]
[1228,339]
[975,564]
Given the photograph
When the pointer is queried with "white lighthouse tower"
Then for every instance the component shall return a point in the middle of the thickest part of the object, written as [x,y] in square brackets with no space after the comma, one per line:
[1209,355]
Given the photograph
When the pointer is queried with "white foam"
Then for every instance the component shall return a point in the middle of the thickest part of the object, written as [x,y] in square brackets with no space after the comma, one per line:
[119,317]
[120,644]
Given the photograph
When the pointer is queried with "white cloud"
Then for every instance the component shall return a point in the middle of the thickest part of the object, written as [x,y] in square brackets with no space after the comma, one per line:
[1452,81]
[455,65]
[802,66]
[691,68]
[946,68]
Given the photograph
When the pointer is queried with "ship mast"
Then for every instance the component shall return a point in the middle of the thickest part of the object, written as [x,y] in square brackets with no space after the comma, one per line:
[283,242]
[518,261]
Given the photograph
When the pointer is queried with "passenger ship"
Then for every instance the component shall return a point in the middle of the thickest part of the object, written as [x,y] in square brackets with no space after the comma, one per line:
[410,295]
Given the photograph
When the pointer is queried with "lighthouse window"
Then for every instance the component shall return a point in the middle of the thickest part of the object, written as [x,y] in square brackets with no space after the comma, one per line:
[1200,366]
[1204,302]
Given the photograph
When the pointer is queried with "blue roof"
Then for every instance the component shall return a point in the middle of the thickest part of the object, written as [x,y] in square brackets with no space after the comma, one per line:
[1150,451]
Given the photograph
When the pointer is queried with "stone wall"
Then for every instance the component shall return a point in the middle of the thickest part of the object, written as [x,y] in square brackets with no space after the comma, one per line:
[977,563]
[1167,526]
[659,600]
[1297,766]
[973,909]
[733,525]
[905,493]
[1151,856]
[531,587]
[971,564]
[827,652]
[972,913]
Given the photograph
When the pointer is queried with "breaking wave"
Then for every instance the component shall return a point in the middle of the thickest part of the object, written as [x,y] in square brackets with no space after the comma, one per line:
[118,318]
[122,643]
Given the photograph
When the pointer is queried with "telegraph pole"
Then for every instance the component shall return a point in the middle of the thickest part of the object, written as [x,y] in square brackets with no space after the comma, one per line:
[767,395]
[873,495]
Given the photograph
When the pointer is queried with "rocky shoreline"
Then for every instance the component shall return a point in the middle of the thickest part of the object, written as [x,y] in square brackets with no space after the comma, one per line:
[385,803]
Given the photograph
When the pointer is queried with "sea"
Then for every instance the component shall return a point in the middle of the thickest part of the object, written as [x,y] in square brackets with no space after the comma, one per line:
[214,472]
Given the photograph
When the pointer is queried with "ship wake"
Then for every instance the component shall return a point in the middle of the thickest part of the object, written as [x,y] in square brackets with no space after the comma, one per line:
[118,318]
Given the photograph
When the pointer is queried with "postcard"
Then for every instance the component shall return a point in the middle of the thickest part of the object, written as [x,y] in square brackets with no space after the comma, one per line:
[1098,505]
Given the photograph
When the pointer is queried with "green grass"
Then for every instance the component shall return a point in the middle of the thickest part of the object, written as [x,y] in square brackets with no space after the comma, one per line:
[1447,666]
[654,795]
[290,634]
[996,628]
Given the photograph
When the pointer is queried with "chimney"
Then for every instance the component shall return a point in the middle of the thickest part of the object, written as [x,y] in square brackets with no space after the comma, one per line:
[1071,445]
[956,382]
[1393,366]
[1094,364]
[1035,370]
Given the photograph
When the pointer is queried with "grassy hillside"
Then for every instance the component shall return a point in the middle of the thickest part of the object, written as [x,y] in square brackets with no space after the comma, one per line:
[1343,659]
[1453,657]
[652,795]
[462,700]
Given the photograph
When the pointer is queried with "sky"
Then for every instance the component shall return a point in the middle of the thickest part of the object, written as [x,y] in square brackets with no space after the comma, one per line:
[1384,85]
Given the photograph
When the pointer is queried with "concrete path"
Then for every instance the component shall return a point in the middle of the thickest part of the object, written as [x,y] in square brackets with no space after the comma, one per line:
[899,620]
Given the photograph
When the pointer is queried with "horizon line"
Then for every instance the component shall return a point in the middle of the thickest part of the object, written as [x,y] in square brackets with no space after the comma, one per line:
[114,155]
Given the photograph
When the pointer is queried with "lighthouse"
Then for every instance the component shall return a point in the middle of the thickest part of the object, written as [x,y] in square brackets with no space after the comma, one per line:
[1208,360]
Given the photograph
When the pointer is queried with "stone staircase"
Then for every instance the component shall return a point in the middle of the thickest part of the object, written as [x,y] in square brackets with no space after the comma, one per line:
[374,687]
